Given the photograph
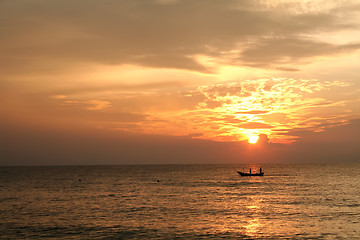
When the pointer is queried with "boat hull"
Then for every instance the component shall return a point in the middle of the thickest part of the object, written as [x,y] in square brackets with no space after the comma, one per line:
[250,174]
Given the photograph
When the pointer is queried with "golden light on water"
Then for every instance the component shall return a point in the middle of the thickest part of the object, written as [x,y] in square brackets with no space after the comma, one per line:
[177,97]
[253,227]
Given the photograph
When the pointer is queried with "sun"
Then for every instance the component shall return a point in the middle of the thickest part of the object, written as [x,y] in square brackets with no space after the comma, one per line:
[253,139]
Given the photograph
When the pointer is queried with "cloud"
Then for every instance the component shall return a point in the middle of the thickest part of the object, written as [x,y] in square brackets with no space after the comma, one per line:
[263,139]
[337,144]
[24,145]
[171,35]
[232,111]
[98,105]
[116,87]
[221,112]
[58,96]
[92,105]
[279,52]
[253,112]
[255,125]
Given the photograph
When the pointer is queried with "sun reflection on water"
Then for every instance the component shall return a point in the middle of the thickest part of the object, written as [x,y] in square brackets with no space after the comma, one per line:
[253,227]
[254,210]
[186,203]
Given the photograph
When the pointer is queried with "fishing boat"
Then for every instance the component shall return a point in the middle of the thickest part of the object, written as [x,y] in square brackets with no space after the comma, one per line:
[260,173]
[251,174]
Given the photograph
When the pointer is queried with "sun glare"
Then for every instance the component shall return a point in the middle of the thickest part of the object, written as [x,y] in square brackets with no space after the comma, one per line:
[253,139]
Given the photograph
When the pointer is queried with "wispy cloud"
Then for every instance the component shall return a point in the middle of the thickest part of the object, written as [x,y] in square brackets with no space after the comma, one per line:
[233,111]
[171,35]
[96,105]
[196,70]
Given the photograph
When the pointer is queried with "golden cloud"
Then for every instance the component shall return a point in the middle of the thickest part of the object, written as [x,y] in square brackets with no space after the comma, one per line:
[233,111]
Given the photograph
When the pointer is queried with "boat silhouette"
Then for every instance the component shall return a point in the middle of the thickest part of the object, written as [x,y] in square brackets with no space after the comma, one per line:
[260,173]
[251,174]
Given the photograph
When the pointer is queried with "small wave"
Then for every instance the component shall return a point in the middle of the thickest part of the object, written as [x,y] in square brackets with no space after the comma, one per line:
[5,199]
[353,205]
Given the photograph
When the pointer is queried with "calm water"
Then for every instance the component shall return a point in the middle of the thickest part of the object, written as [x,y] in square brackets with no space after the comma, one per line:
[189,202]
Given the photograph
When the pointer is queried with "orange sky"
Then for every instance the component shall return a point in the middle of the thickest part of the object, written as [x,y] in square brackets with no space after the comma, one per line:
[189,75]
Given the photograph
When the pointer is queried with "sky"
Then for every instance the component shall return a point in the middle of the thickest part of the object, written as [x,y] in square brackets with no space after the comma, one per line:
[179,82]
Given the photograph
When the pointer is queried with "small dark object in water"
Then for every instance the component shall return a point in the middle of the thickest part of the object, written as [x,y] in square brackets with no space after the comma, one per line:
[251,174]
[158,181]
[79,180]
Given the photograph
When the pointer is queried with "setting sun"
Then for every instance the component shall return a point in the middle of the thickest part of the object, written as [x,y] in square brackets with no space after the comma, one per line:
[200,83]
[253,139]
[186,119]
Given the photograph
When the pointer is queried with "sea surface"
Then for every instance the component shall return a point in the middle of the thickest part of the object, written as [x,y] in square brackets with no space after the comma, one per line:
[180,202]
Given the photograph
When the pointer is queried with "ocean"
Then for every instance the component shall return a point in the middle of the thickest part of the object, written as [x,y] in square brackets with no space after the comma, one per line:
[180,202]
